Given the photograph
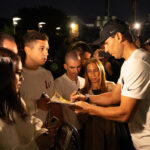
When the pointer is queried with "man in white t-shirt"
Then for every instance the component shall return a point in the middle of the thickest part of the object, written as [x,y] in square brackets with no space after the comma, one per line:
[36,79]
[131,93]
[69,82]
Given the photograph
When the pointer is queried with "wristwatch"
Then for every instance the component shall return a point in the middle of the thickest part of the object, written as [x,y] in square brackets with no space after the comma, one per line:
[87,98]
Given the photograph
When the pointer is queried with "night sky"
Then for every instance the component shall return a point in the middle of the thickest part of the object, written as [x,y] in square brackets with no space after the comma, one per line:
[86,9]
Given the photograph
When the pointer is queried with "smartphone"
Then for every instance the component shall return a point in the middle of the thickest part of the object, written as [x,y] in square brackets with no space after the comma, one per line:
[103,54]
[44,95]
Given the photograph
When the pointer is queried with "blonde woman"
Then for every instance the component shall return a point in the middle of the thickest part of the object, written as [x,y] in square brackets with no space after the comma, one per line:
[99,133]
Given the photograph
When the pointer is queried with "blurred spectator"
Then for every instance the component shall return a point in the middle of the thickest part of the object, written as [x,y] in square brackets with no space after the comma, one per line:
[26,131]
[145,37]
[85,52]
[8,41]
[112,66]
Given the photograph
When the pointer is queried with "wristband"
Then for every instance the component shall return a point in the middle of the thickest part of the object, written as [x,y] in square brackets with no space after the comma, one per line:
[87,98]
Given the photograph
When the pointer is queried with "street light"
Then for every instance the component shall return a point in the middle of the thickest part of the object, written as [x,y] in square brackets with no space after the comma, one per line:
[137,26]
[58,28]
[40,25]
[15,23]
[74,29]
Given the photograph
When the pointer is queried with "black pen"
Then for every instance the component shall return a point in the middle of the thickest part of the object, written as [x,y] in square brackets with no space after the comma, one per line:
[76,94]
[78,91]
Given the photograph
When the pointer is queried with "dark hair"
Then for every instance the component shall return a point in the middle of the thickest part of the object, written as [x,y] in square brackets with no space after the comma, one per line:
[28,38]
[73,55]
[81,47]
[5,36]
[32,35]
[10,100]
[145,34]
[127,35]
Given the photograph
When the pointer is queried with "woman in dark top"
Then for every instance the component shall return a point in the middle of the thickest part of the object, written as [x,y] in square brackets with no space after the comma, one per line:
[99,133]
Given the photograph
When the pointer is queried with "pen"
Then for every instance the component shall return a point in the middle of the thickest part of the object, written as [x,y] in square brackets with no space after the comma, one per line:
[78,91]
[76,94]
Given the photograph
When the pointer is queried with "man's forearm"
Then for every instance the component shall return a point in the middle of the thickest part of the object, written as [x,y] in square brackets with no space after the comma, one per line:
[109,113]
[105,99]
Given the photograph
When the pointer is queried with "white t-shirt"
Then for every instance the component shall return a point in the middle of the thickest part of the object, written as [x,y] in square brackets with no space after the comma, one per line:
[135,81]
[64,86]
[22,134]
[35,83]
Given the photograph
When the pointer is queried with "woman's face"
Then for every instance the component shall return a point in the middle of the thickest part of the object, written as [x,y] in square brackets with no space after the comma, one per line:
[18,75]
[93,73]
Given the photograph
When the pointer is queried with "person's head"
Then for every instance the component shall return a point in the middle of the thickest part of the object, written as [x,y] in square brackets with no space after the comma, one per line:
[145,37]
[147,45]
[10,81]
[84,50]
[36,48]
[94,74]
[17,66]
[8,41]
[72,65]
[114,35]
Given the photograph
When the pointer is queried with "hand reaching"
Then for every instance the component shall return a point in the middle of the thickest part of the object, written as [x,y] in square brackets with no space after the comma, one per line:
[42,103]
[77,97]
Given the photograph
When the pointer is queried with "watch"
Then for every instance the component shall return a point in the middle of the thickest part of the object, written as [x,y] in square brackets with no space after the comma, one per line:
[87,98]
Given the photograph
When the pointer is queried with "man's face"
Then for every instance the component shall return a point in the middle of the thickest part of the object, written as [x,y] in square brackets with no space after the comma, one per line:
[72,68]
[37,52]
[85,57]
[10,45]
[113,46]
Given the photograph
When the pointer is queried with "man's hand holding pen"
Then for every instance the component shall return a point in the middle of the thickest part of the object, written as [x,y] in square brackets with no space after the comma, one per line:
[80,106]
[77,96]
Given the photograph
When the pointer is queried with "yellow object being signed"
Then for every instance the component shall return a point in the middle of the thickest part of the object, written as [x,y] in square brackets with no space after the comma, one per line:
[57,98]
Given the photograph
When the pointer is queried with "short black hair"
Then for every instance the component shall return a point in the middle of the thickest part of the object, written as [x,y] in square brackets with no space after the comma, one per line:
[81,47]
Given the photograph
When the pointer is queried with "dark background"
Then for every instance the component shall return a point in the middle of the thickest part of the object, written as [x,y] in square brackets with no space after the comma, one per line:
[86,9]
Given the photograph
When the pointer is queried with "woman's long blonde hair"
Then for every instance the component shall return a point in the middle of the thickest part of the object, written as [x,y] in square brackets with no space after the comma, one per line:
[102,81]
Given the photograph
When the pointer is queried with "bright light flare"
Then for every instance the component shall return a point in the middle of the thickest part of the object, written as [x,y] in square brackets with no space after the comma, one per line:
[137,25]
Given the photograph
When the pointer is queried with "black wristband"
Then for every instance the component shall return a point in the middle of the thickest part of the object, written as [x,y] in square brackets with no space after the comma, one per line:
[87,98]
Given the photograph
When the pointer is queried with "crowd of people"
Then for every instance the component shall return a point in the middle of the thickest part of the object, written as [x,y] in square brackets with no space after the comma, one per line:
[105,89]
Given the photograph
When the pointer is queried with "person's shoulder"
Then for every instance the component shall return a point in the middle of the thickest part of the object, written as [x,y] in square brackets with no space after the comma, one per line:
[110,85]
[81,78]
[140,59]
[60,78]
[142,55]
[43,70]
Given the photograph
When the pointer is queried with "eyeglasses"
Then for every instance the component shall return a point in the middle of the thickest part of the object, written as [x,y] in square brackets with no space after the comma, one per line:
[19,73]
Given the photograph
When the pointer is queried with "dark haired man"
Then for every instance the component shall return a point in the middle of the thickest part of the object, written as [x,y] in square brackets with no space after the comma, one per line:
[132,90]
[36,79]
